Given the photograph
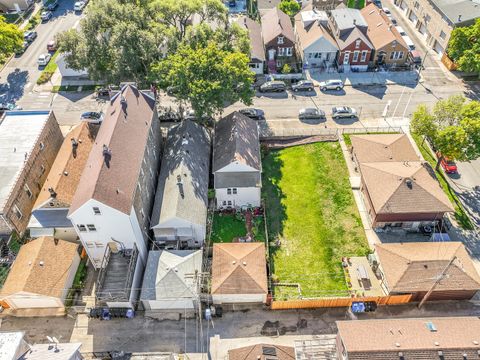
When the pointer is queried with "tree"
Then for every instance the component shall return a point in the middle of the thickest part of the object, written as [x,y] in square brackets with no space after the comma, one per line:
[423,123]
[464,47]
[207,77]
[11,38]
[286,69]
[289,7]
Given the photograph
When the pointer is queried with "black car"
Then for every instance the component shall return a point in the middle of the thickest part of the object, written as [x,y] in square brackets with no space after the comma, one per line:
[255,114]
[103,92]
[52,5]
[30,36]
[46,15]
[304,85]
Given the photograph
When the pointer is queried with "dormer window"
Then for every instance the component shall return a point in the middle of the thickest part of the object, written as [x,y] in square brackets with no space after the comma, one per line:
[357,44]
[280,39]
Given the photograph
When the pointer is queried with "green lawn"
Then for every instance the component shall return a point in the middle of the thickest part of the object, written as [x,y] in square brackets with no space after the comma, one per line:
[226,228]
[356,4]
[460,214]
[311,210]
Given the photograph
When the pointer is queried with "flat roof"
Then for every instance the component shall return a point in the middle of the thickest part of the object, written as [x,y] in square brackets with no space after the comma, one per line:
[459,12]
[12,345]
[19,132]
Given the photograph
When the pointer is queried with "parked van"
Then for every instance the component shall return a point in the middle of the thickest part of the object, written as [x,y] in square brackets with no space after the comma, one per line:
[273,86]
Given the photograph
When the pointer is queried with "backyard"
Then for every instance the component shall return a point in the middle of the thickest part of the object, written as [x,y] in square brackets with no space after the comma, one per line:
[312,220]
[227,227]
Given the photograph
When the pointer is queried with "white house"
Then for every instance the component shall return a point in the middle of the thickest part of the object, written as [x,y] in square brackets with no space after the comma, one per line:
[257,51]
[179,215]
[111,207]
[237,163]
[66,71]
[170,283]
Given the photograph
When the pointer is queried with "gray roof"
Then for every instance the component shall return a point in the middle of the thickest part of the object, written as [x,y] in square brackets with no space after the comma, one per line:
[168,274]
[346,18]
[186,156]
[255,33]
[236,140]
[459,12]
[237,179]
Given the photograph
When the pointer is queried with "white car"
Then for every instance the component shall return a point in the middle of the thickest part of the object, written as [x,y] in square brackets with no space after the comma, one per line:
[401,31]
[409,42]
[44,59]
[79,5]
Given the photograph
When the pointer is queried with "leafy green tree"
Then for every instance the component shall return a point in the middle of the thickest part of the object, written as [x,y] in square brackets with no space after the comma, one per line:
[206,77]
[423,123]
[11,38]
[448,111]
[289,7]
[464,47]
[286,69]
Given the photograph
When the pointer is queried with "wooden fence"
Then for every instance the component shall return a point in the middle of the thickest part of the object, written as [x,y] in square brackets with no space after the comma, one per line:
[338,302]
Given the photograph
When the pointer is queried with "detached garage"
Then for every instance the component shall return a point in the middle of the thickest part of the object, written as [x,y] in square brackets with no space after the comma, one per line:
[41,275]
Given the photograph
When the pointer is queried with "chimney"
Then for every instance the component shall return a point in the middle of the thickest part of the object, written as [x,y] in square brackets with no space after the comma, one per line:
[74,147]
[354,22]
[52,192]
[459,18]
[180,186]
[409,183]
[107,155]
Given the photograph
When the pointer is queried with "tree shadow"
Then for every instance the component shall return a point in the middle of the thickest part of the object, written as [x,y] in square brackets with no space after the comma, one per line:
[16,85]
[378,91]
[472,200]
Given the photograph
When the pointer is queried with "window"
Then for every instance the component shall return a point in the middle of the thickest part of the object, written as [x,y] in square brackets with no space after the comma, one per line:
[99,244]
[81,228]
[281,51]
[27,190]
[229,203]
[396,55]
[400,55]
[89,244]
[357,44]
[224,202]
[416,5]
[91,227]
[96,211]
[279,63]
[364,55]
[229,191]
[234,191]
[280,40]
[42,146]
[17,212]
[427,19]
[443,35]
[289,51]
[355,56]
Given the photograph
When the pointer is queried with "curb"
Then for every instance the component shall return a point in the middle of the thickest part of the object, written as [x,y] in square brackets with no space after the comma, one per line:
[6,62]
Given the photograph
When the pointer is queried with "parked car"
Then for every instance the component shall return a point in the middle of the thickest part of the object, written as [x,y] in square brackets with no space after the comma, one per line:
[273,86]
[51,46]
[252,113]
[43,59]
[52,5]
[400,30]
[46,15]
[415,57]
[303,85]
[24,47]
[103,92]
[79,5]
[8,107]
[448,165]
[331,85]
[92,117]
[311,113]
[409,42]
[340,112]
[30,36]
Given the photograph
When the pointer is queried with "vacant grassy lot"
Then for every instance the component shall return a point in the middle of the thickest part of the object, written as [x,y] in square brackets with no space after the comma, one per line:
[226,228]
[311,211]
[356,4]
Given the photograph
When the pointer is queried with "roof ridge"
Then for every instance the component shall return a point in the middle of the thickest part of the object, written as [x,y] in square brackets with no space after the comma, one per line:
[382,246]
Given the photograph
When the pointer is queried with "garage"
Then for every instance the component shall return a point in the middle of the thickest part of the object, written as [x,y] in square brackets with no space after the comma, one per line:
[438,48]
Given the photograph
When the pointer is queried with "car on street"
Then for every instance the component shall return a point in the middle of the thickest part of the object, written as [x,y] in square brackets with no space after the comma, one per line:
[8,107]
[448,165]
[400,30]
[342,112]
[389,15]
[273,86]
[311,113]
[24,47]
[51,46]
[303,85]
[29,36]
[46,15]
[252,113]
[415,57]
[103,92]
[79,5]
[43,59]
[331,85]
[93,117]
[52,5]
[409,42]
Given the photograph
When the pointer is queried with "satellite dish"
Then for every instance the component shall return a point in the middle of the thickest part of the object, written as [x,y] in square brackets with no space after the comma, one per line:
[55,340]
[49,339]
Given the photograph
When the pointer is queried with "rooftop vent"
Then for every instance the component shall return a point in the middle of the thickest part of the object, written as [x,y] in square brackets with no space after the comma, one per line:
[475,342]
[180,186]
[431,326]
[459,18]
[409,183]
[74,147]
[52,192]
[397,344]
[41,263]
[234,262]
[269,351]
[436,343]
[107,155]
[244,263]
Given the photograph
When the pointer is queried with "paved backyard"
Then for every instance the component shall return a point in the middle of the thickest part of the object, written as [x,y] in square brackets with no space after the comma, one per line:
[312,219]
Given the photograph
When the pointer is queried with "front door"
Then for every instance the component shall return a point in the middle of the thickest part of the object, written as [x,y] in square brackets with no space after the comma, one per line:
[271,54]
[346,58]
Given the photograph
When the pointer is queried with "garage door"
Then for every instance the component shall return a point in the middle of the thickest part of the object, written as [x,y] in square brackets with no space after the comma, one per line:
[438,48]
[413,18]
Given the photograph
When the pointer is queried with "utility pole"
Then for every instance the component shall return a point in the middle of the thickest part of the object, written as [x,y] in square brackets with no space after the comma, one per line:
[439,278]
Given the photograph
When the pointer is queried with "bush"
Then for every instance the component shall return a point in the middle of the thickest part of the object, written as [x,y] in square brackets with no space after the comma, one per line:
[44,77]
[286,69]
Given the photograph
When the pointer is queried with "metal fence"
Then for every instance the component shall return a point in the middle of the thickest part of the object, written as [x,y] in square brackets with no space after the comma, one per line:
[272,134]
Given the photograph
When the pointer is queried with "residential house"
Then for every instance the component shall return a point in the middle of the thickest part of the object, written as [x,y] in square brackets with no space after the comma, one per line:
[257,52]
[264,6]
[435,19]
[262,352]
[326,5]
[237,165]
[316,46]
[66,71]
[414,267]
[49,214]
[409,339]
[41,275]
[278,38]
[112,205]
[349,29]
[390,48]
[239,273]
[179,216]
[15,5]
[171,282]
[29,143]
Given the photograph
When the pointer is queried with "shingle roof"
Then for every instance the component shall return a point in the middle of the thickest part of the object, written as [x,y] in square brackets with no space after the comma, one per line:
[407,188]
[347,18]
[257,352]
[383,148]
[413,267]
[255,33]
[169,274]
[239,268]
[309,34]
[380,31]
[349,37]
[236,140]
[186,154]
[411,334]
[49,279]
[274,23]
[64,176]
[125,131]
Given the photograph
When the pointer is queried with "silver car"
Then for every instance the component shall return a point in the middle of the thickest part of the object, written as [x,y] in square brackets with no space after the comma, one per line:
[341,112]
[331,85]
[311,113]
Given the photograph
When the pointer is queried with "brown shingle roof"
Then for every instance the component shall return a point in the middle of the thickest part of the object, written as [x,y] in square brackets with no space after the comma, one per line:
[413,267]
[67,169]
[49,279]
[236,139]
[274,23]
[382,148]
[380,30]
[257,352]
[311,33]
[125,132]
[407,188]
[409,334]
[255,33]
[229,273]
